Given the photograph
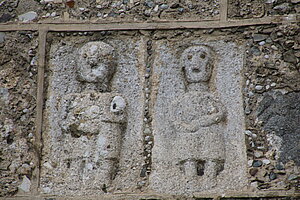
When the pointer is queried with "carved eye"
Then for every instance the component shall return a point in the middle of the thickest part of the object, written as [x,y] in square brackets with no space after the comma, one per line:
[84,55]
[202,55]
[189,57]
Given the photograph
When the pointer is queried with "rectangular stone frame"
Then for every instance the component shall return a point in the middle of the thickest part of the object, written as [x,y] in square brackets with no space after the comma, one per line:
[226,72]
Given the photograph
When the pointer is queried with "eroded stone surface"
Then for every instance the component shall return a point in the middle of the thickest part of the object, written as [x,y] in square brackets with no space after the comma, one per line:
[93,142]
[201,144]
[183,121]
[89,115]
[196,116]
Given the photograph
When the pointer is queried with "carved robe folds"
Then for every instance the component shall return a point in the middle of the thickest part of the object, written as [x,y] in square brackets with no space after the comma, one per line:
[197,121]
[100,115]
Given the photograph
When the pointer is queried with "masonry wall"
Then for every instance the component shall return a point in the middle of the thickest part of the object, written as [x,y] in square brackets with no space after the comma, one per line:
[255,76]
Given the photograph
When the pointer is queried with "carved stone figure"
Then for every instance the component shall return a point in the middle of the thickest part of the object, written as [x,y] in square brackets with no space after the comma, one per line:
[198,118]
[97,114]
[96,65]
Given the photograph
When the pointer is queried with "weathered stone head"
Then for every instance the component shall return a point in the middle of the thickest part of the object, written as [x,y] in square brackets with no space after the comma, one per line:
[96,63]
[197,63]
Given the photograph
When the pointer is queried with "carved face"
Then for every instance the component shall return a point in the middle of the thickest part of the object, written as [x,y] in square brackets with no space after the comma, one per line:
[95,62]
[196,61]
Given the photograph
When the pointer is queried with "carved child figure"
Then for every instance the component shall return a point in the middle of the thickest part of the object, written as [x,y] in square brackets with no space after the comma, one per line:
[98,114]
[197,118]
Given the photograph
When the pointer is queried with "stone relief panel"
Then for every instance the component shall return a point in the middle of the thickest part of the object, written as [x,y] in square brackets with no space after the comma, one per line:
[98,93]
[92,138]
[198,118]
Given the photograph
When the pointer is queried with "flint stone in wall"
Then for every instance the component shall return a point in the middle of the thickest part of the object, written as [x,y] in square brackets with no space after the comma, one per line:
[280,114]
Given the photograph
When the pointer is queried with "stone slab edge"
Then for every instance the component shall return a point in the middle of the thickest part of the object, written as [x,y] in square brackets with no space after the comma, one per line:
[269,194]
[86,26]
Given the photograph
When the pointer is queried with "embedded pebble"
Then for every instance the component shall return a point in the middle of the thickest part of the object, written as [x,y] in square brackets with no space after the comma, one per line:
[284,7]
[25,185]
[53,14]
[147,131]
[2,37]
[27,17]
[147,138]
[255,51]
[292,177]
[257,163]
[262,43]
[259,37]
[258,154]
[279,166]
[253,171]
[259,87]
[274,47]
[164,6]
[272,176]
[48,165]
[248,132]
[266,161]
[250,162]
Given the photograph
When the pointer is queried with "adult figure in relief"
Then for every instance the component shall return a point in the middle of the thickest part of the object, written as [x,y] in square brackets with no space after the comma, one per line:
[198,118]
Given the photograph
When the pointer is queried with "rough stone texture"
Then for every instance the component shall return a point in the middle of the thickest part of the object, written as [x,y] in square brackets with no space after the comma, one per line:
[246,8]
[160,197]
[261,8]
[17,110]
[272,113]
[165,149]
[170,145]
[116,10]
[281,118]
[282,7]
[74,156]
[89,117]
[142,10]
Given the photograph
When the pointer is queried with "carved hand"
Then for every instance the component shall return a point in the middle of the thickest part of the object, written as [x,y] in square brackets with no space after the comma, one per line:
[203,121]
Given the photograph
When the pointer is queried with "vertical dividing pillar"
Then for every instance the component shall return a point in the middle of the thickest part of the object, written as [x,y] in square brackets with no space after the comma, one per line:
[223,10]
[39,107]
